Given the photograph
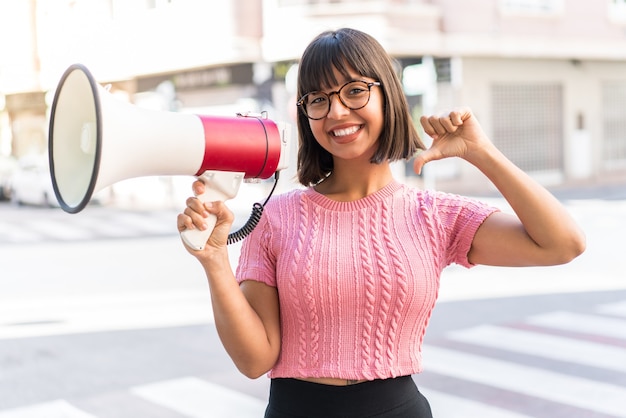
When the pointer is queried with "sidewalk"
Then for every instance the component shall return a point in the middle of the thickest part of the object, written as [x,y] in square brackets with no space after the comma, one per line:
[605,192]
[601,212]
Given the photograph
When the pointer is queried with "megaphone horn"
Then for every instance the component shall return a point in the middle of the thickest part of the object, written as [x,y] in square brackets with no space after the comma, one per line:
[96,140]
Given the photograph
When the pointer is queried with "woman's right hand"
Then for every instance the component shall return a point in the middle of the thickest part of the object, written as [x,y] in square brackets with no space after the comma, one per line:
[195,216]
[247,316]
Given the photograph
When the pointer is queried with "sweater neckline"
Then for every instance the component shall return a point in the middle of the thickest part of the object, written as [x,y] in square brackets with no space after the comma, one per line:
[361,203]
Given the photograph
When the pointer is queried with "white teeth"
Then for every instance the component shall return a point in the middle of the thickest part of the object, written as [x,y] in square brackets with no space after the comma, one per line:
[347,131]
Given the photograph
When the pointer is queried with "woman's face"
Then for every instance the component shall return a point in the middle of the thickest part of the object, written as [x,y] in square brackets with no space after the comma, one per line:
[350,134]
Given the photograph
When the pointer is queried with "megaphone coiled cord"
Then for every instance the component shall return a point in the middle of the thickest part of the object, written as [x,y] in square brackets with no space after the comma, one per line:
[254,219]
[248,227]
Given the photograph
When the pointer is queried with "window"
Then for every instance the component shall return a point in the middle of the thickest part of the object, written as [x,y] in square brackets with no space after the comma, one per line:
[614,124]
[531,7]
[153,4]
[617,11]
[528,125]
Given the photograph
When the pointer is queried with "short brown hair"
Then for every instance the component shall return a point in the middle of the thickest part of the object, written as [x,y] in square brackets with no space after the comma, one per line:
[345,49]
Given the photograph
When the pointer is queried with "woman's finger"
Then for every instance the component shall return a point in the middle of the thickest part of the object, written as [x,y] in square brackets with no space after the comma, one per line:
[428,127]
[198,188]
[197,205]
[183,222]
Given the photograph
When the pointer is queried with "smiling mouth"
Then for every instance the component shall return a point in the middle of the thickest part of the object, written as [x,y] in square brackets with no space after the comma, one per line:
[345,132]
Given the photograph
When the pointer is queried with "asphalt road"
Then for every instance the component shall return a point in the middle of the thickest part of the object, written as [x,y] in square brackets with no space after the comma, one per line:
[104,314]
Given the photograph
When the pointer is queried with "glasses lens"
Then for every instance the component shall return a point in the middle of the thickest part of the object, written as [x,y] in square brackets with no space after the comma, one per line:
[316,104]
[355,95]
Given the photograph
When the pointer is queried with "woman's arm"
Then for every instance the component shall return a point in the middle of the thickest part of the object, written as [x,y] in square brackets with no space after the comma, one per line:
[541,233]
[246,316]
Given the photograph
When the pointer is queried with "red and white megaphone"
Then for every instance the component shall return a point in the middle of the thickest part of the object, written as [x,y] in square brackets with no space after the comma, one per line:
[96,140]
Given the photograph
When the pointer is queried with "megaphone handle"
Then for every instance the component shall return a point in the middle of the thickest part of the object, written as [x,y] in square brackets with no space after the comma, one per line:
[219,185]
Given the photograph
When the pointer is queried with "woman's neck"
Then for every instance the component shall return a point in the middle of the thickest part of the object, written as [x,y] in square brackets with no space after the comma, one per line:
[349,182]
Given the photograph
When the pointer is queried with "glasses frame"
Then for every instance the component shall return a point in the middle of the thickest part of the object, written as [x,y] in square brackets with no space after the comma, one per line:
[369,84]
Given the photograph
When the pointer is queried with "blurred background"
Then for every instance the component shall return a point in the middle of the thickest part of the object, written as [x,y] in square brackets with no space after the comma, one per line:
[545,77]
[103,314]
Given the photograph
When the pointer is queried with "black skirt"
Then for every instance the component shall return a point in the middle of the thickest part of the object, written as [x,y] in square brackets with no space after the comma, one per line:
[388,398]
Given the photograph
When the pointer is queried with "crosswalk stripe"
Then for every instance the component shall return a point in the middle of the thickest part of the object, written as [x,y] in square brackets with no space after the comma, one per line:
[15,233]
[106,227]
[618,309]
[147,223]
[96,313]
[83,226]
[196,398]
[444,405]
[548,346]
[587,324]
[59,230]
[575,391]
[55,409]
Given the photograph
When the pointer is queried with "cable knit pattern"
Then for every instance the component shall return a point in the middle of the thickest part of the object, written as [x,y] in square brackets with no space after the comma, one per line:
[436,234]
[369,288]
[384,304]
[357,281]
[309,294]
[401,283]
[293,289]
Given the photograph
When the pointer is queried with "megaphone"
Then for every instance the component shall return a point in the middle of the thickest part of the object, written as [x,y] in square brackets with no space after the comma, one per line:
[96,140]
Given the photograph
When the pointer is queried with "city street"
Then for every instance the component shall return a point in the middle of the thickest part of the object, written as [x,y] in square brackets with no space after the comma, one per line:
[103,314]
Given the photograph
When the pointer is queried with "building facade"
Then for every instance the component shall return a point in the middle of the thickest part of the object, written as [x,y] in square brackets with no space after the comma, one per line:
[547,78]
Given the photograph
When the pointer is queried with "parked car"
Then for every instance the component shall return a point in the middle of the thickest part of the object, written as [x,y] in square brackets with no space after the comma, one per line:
[31,183]
[8,165]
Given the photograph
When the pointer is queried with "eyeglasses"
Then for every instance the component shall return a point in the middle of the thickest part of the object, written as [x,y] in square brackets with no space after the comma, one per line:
[354,95]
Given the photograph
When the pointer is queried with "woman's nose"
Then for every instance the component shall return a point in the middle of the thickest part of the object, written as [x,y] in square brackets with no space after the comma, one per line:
[337,108]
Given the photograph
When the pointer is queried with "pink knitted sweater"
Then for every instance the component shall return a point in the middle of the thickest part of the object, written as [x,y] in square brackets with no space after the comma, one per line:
[357,281]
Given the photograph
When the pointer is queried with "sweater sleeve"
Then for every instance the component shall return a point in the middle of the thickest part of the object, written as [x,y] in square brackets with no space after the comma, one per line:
[256,260]
[458,219]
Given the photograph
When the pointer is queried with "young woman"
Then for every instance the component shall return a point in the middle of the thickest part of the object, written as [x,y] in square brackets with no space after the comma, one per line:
[336,285]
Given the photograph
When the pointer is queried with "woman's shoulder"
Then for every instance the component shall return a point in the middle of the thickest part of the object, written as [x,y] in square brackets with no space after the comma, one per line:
[418,194]
[285,201]
[288,196]
[438,198]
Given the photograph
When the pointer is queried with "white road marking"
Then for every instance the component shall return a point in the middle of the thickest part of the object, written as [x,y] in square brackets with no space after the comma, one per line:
[547,346]
[449,406]
[618,309]
[575,391]
[59,230]
[587,324]
[96,313]
[14,233]
[196,398]
[54,409]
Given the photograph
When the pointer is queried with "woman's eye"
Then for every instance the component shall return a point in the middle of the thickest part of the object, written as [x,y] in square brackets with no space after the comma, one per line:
[356,91]
[317,101]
